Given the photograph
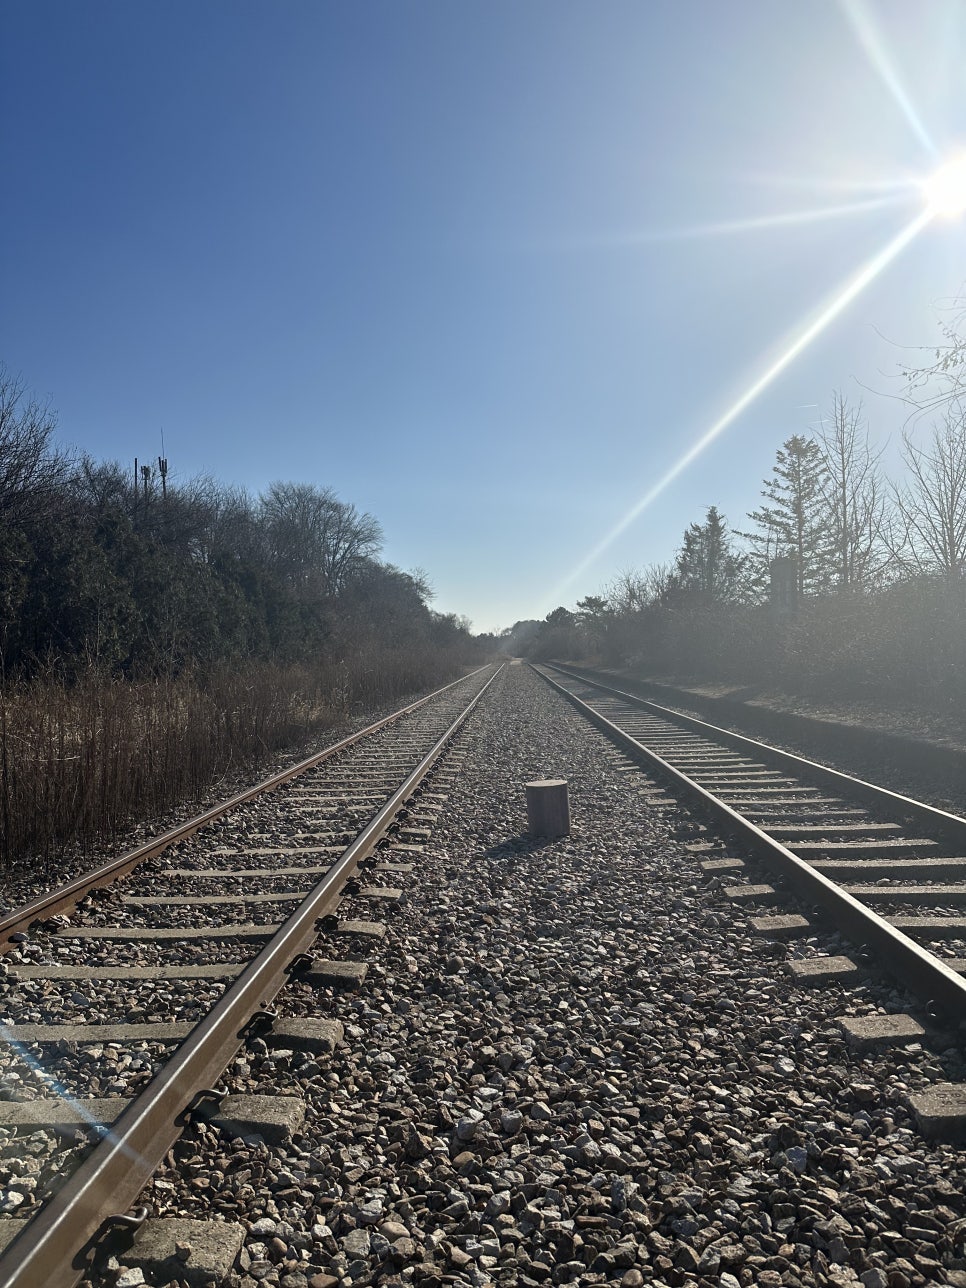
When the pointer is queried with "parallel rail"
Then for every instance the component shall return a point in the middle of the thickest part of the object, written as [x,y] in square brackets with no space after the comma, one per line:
[65,898]
[902,750]
[56,1247]
[943,989]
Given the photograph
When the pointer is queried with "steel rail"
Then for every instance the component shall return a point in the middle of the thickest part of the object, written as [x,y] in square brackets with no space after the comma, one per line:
[66,897]
[899,748]
[950,827]
[915,967]
[56,1247]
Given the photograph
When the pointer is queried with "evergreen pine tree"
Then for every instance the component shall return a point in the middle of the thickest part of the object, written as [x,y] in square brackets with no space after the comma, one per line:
[793,521]
[707,566]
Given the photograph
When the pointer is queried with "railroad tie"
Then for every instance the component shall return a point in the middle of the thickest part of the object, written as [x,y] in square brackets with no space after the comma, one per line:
[940,1111]
[218,970]
[275,1119]
[250,874]
[751,893]
[303,1034]
[804,810]
[824,970]
[926,927]
[325,973]
[900,848]
[307,796]
[210,900]
[828,828]
[362,929]
[156,1246]
[52,1113]
[877,1032]
[712,866]
[790,926]
[186,933]
[939,869]
[937,894]
[271,851]
[95,1034]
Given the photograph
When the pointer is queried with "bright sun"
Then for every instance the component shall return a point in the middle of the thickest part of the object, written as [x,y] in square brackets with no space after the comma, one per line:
[945,191]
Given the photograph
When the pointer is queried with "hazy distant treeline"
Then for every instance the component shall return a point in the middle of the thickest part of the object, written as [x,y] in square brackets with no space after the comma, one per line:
[154,633]
[872,572]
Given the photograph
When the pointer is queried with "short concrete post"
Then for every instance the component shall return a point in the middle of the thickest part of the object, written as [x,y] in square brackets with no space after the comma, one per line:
[548,807]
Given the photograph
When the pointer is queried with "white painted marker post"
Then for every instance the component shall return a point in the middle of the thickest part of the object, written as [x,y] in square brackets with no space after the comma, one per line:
[548,808]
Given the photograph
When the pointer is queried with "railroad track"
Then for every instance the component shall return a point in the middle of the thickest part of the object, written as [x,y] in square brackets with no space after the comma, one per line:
[161,957]
[886,871]
[155,987]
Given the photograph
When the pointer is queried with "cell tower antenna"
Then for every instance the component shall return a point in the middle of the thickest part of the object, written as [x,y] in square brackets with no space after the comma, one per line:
[163,468]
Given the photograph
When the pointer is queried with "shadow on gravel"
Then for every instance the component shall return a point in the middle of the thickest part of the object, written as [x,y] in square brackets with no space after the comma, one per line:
[514,846]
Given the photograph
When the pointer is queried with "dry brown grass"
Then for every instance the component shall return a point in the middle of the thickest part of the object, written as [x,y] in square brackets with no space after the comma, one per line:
[80,764]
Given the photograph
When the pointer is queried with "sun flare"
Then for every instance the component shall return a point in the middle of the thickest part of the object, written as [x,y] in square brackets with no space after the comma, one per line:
[799,341]
[945,191]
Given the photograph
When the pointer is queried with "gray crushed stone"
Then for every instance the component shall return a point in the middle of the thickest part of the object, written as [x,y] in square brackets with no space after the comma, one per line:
[574,1062]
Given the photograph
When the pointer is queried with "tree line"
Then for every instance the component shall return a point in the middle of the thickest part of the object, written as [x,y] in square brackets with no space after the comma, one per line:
[843,580]
[124,571]
[157,636]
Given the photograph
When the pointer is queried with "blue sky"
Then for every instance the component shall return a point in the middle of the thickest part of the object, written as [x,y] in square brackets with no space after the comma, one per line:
[445,258]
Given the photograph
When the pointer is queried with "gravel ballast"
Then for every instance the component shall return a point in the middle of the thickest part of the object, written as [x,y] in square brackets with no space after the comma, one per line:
[574,1062]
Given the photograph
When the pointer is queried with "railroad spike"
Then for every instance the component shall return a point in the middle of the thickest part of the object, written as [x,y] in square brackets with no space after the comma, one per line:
[259,1023]
[128,1220]
[200,1100]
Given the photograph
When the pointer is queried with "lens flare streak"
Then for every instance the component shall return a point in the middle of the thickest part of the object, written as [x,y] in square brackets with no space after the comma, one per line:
[52,1084]
[761,223]
[856,284]
[863,24]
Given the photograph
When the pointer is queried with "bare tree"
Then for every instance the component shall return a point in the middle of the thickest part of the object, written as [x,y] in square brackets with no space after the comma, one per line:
[315,539]
[31,470]
[852,488]
[931,501]
[938,379]
[103,485]
[632,591]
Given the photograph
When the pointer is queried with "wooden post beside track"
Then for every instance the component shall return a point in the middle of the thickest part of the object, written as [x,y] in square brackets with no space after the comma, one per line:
[548,807]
